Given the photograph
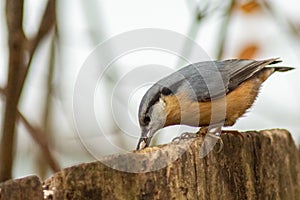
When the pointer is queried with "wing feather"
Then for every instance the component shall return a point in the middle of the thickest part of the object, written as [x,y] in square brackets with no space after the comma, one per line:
[205,81]
[213,79]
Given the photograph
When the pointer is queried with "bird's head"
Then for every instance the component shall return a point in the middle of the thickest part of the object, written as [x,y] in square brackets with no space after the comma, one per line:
[151,120]
[153,113]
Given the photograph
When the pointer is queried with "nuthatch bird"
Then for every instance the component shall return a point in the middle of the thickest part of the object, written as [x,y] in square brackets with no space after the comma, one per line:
[203,94]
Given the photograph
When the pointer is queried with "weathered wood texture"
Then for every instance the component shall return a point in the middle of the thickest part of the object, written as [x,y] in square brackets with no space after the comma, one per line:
[256,165]
[28,188]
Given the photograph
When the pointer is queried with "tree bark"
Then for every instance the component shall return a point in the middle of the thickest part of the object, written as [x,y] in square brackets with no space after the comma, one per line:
[251,165]
[25,188]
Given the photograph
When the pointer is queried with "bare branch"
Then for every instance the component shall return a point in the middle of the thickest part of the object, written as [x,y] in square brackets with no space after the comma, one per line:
[18,71]
[38,136]
[46,119]
[2,91]
[16,41]
[48,22]
[283,21]
[224,28]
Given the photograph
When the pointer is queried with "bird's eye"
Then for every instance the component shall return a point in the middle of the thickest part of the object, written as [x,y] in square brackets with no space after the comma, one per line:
[147,119]
[166,91]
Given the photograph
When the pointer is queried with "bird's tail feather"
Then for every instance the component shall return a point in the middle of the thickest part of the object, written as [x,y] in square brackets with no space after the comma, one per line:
[282,69]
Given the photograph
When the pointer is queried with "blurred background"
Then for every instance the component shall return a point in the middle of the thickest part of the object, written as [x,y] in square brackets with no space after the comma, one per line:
[44,44]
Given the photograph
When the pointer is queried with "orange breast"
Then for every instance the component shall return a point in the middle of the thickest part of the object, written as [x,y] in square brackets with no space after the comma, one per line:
[181,110]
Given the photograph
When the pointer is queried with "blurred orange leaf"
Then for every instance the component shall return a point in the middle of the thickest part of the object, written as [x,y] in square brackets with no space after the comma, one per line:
[250,7]
[248,52]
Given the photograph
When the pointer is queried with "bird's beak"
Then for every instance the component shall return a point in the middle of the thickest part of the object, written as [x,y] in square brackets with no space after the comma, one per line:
[143,143]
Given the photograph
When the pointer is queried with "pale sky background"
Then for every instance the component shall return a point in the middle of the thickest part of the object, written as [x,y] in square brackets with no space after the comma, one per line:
[277,106]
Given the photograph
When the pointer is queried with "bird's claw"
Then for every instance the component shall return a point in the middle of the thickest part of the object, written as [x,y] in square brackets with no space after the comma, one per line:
[214,136]
[185,135]
[219,140]
[209,144]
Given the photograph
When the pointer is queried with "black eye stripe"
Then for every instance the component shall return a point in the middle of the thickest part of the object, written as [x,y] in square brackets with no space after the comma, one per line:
[154,99]
[166,91]
[146,120]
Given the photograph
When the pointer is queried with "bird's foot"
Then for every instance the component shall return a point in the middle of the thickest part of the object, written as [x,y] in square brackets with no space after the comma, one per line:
[219,143]
[185,135]
[213,141]
[215,130]
[203,131]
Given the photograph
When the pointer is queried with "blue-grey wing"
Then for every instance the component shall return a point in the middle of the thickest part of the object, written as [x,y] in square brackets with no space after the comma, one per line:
[211,79]
[204,81]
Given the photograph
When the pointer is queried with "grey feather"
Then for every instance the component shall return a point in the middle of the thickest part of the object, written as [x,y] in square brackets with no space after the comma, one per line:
[204,81]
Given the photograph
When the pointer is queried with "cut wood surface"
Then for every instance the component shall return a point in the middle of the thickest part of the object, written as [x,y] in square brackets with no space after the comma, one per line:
[251,165]
[29,187]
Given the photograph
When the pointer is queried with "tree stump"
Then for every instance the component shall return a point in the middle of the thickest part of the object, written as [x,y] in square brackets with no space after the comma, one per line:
[24,188]
[251,165]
